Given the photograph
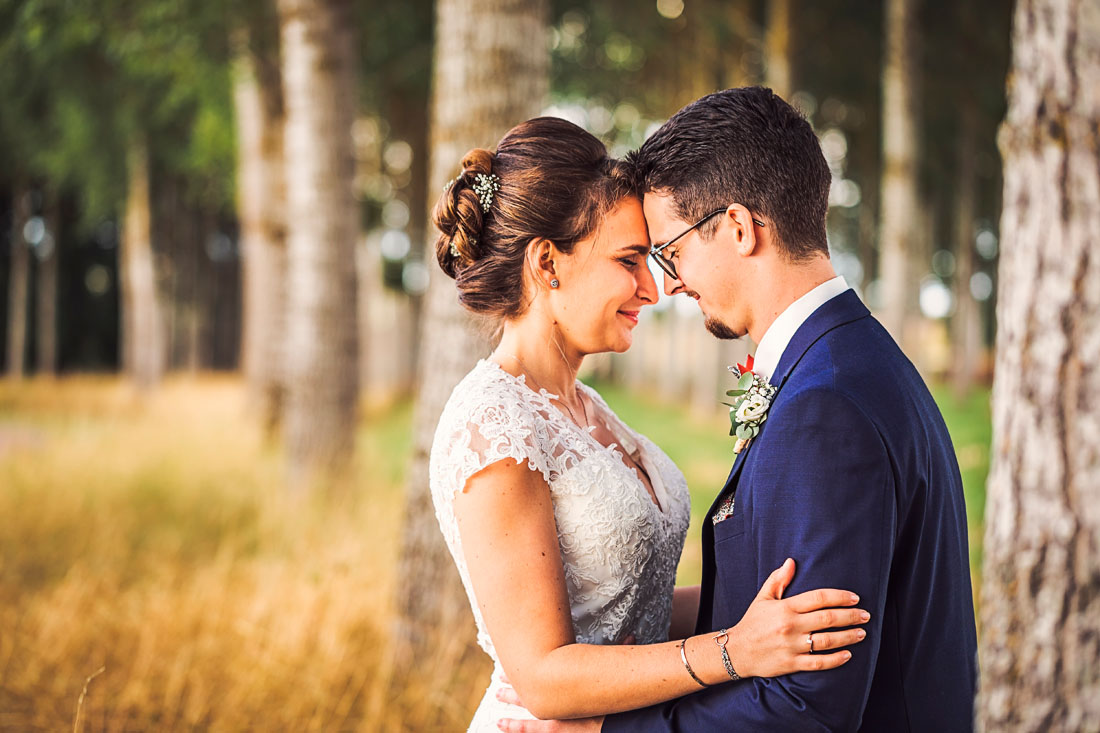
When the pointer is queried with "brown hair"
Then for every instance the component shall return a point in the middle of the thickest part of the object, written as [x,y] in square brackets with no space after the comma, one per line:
[556,182]
[747,146]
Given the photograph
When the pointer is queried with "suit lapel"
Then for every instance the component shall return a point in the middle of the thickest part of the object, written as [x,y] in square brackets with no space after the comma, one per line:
[731,480]
[842,309]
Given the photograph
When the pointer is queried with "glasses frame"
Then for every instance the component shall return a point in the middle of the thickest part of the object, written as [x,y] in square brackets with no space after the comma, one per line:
[666,264]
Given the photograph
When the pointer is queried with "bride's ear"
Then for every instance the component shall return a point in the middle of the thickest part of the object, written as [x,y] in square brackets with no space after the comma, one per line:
[541,254]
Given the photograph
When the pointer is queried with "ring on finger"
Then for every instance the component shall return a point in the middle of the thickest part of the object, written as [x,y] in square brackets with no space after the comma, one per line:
[810,641]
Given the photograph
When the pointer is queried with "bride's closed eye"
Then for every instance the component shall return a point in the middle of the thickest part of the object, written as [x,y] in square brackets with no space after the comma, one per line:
[628,262]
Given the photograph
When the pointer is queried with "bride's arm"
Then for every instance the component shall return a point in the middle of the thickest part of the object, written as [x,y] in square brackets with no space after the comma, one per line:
[685,609]
[509,538]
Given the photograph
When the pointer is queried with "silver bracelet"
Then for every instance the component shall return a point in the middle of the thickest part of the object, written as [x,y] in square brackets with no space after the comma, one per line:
[720,639]
[684,657]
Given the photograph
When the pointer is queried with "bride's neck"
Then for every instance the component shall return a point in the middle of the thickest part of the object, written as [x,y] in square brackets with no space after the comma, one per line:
[536,347]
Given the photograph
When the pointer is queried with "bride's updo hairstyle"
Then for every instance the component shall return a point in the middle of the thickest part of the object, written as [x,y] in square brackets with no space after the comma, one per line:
[556,182]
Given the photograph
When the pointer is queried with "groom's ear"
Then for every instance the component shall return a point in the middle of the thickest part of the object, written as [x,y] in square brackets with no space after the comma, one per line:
[742,230]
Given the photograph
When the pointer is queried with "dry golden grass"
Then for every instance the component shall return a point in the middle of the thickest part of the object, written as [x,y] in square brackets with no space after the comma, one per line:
[154,538]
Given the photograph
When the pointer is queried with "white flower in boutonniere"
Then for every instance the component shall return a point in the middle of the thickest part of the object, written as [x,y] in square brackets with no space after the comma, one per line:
[753,408]
[754,397]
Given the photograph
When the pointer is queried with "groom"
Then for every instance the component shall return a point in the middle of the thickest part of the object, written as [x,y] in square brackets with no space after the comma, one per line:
[852,474]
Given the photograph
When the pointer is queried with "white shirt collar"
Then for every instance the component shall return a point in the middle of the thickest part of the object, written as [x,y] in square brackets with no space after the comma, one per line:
[774,341]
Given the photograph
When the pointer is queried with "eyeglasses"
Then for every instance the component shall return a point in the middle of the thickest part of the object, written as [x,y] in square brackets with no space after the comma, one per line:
[666,263]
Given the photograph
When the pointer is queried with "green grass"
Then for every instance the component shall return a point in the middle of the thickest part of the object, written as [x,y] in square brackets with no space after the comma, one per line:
[970,423]
[384,441]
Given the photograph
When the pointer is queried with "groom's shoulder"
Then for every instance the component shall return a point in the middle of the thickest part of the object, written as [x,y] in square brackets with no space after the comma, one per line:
[862,363]
[851,352]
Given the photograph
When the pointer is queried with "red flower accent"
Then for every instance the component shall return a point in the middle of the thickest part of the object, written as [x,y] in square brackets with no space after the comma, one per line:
[746,368]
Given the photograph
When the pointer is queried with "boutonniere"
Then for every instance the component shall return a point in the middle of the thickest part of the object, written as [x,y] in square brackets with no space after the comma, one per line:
[750,409]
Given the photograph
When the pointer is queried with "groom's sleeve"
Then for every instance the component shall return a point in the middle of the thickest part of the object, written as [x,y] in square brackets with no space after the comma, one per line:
[822,493]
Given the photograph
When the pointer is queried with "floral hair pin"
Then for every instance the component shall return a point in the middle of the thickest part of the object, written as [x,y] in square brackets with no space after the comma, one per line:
[750,409]
[485,185]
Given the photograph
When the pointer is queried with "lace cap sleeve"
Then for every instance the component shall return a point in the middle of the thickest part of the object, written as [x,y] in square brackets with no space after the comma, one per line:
[482,424]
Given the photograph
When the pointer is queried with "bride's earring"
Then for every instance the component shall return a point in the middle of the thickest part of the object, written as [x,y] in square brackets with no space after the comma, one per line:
[554,283]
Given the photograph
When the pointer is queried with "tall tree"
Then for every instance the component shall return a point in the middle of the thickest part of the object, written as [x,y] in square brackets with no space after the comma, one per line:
[490,73]
[84,82]
[318,63]
[143,337]
[1041,580]
[899,218]
[966,323]
[261,207]
[777,42]
[18,281]
[46,254]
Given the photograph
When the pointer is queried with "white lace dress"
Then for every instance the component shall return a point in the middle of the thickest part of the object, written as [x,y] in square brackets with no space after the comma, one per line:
[618,548]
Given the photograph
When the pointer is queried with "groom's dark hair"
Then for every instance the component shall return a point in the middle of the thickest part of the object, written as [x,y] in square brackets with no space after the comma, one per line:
[744,146]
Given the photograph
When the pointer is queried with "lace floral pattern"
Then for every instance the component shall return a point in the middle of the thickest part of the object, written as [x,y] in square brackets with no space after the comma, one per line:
[618,548]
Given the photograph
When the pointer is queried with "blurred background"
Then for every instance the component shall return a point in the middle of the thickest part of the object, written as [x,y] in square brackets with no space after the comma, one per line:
[226,343]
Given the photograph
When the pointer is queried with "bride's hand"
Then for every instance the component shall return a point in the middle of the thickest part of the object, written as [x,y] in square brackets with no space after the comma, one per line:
[772,638]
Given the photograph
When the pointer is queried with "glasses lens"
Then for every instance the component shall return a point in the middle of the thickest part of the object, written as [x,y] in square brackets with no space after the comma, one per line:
[665,264]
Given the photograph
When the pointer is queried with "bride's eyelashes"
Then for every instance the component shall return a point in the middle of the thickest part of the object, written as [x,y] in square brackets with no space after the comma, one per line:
[632,257]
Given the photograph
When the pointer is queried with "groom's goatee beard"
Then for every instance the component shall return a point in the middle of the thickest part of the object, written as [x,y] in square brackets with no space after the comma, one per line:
[720,330]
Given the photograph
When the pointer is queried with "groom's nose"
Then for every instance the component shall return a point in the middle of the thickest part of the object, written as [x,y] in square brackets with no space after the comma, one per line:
[672,285]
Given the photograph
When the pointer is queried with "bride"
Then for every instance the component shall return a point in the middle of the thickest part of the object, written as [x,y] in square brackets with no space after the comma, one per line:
[565,524]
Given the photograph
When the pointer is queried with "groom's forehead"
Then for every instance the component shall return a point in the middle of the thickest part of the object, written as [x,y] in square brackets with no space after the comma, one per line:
[661,216]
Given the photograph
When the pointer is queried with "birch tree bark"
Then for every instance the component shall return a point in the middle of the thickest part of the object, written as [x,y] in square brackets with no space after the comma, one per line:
[1041,579]
[261,203]
[18,278]
[898,219]
[143,337]
[322,227]
[491,71]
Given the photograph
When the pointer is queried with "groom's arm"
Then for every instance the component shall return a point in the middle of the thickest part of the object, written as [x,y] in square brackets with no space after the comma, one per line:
[822,493]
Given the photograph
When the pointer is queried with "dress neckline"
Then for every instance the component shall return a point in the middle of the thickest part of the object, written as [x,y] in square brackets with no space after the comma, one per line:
[659,499]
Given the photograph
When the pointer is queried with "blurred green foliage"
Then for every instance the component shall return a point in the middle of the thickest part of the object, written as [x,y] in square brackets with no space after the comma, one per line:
[80,81]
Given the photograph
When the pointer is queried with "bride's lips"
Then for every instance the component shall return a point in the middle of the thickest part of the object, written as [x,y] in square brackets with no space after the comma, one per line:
[632,316]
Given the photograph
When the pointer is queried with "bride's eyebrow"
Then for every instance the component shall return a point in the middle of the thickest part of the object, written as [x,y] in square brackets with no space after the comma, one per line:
[642,249]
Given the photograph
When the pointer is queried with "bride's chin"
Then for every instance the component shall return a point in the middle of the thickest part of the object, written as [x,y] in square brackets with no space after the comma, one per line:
[623,344]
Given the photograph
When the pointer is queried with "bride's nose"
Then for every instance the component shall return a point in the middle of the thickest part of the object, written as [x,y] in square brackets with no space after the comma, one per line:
[647,287]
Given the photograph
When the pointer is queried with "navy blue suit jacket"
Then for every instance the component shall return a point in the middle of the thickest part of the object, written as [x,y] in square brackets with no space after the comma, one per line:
[854,476]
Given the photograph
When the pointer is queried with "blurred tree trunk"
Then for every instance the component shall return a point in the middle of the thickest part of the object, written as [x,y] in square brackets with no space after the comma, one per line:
[491,71]
[777,44]
[178,277]
[1040,605]
[737,16]
[18,282]
[409,113]
[261,194]
[966,323]
[143,338]
[899,216]
[322,345]
[46,287]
